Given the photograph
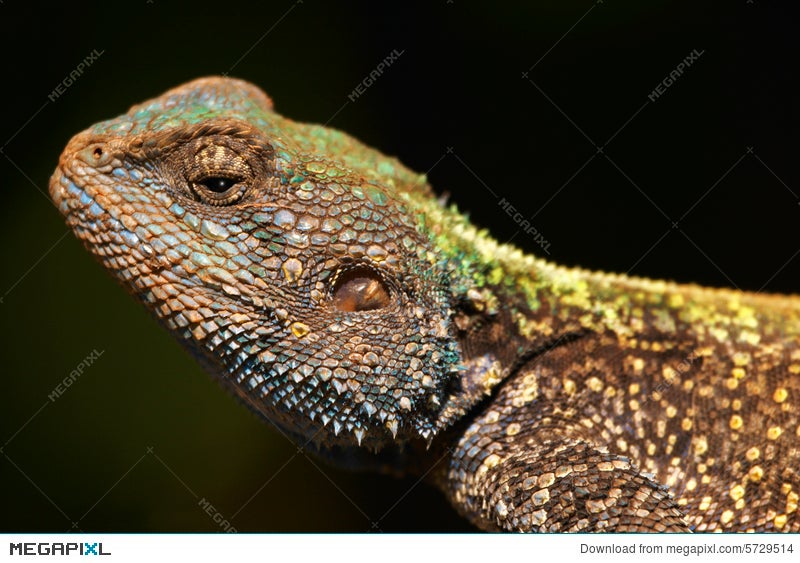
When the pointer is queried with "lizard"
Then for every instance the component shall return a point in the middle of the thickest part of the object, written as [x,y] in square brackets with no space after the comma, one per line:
[328,288]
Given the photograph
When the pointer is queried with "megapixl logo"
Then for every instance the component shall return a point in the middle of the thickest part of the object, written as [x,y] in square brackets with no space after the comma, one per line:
[57,548]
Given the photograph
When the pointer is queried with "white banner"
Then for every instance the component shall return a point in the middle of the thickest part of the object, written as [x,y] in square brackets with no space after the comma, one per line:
[388,548]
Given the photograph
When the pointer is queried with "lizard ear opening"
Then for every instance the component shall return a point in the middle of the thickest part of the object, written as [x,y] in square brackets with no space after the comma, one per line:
[360,289]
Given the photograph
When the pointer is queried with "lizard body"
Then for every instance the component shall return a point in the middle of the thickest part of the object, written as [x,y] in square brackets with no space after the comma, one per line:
[325,286]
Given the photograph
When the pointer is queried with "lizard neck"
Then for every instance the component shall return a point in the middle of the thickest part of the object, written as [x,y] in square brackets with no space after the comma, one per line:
[510,307]
[530,306]
[534,301]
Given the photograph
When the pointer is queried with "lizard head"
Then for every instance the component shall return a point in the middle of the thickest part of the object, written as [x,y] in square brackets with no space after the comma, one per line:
[290,258]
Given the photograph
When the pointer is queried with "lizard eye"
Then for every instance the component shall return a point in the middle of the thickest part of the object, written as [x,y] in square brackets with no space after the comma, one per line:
[218,190]
[360,289]
[218,184]
[217,170]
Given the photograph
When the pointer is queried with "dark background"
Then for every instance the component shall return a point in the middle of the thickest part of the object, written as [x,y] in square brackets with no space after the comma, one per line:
[144,434]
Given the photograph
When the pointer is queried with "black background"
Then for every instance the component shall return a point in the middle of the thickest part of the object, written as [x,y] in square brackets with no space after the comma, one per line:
[522,94]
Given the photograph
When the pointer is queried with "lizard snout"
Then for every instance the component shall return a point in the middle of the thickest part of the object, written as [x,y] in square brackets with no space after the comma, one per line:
[84,172]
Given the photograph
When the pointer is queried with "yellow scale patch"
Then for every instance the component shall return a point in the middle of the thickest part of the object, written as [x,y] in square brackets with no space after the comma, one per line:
[299,329]
[700,445]
[756,473]
[791,502]
[595,384]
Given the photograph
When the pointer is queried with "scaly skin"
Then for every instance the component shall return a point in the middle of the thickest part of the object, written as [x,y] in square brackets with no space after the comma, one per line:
[324,284]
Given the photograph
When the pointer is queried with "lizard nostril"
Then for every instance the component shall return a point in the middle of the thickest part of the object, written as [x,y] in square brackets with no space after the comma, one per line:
[95,154]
